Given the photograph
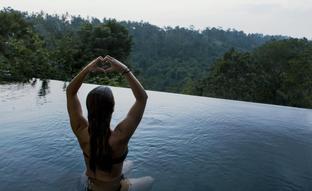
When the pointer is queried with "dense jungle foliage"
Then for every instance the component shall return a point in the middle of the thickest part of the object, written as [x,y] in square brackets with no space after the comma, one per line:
[212,62]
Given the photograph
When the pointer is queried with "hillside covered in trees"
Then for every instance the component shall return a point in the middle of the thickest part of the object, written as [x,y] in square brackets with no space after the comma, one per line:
[212,62]
[164,58]
[279,72]
[168,58]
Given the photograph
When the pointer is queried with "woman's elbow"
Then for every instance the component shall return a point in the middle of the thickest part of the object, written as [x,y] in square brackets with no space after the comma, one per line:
[69,91]
[145,96]
[142,98]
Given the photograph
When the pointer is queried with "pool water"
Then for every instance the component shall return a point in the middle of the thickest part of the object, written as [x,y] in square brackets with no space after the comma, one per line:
[184,142]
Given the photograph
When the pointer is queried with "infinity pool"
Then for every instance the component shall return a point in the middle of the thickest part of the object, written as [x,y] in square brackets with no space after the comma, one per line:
[185,142]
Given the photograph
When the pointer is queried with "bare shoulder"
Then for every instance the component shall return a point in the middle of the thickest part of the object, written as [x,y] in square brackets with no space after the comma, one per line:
[117,138]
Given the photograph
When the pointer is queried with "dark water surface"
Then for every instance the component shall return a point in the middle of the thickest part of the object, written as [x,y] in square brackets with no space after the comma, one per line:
[185,142]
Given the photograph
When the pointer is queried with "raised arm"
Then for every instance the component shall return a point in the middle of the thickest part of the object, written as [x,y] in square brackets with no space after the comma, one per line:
[128,125]
[77,121]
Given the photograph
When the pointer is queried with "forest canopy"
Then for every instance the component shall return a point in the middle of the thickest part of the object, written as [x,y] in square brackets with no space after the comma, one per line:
[212,62]
[50,47]
[279,72]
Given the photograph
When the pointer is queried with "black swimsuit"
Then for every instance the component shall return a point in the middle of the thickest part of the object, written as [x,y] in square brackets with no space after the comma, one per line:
[114,161]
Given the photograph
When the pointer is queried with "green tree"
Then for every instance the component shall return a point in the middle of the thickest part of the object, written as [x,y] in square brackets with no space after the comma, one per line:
[22,51]
[279,72]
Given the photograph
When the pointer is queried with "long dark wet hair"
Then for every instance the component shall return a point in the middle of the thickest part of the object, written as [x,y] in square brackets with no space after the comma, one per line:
[100,105]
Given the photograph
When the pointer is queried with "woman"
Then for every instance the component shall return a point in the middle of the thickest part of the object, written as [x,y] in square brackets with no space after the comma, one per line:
[105,149]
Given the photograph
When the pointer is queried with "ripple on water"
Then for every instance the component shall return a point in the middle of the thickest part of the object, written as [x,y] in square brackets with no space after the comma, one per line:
[184,142]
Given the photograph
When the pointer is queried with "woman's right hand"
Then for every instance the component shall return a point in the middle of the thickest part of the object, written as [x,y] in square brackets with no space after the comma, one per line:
[115,65]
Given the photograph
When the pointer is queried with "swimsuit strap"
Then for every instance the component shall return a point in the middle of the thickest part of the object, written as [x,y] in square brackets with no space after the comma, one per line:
[115,160]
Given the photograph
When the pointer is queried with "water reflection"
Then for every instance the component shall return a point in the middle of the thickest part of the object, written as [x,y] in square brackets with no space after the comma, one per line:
[33,82]
[64,86]
[205,146]
[44,89]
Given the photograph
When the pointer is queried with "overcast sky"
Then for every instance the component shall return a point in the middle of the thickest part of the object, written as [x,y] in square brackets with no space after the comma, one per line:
[285,17]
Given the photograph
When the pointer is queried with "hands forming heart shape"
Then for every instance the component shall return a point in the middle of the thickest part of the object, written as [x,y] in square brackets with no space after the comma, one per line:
[106,65]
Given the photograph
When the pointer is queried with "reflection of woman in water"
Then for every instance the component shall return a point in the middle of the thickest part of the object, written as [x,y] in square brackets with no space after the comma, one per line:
[105,149]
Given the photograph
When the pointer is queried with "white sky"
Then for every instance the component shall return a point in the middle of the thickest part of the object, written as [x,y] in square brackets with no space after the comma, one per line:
[285,17]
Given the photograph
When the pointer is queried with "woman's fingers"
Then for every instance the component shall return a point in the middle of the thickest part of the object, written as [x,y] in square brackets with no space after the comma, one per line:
[99,59]
[99,69]
[109,58]
[95,61]
[110,69]
[106,59]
